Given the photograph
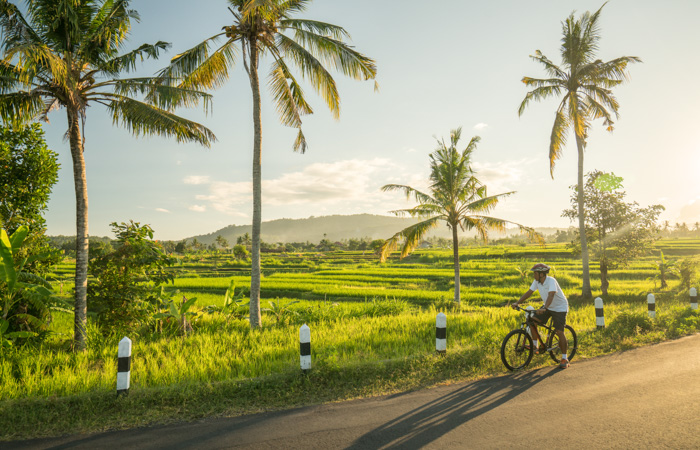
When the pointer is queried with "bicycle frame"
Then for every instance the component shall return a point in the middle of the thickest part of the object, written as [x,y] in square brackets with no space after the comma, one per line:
[528,322]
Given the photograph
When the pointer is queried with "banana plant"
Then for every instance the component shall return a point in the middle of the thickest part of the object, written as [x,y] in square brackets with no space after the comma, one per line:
[180,313]
[234,307]
[281,311]
[20,289]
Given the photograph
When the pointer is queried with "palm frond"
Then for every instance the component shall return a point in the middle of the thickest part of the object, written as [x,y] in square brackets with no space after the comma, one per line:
[552,69]
[410,237]
[20,108]
[163,95]
[300,142]
[107,30]
[127,62]
[144,119]
[483,205]
[338,55]
[312,69]
[32,59]
[16,30]
[419,196]
[537,94]
[197,68]
[424,210]
[326,29]
[558,137]
[288,95]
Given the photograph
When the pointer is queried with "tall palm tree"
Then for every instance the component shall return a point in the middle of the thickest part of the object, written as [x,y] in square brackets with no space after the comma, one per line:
[68,55]
[585,83]
[455,197]
[266,27]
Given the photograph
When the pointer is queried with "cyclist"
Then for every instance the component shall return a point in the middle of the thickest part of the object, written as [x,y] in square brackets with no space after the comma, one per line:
[555,305]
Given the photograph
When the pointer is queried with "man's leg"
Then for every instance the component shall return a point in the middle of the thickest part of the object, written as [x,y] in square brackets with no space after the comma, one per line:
[535,334]
[563,343]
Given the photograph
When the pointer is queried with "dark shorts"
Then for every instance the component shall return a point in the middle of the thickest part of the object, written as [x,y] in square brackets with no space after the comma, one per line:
[558,318]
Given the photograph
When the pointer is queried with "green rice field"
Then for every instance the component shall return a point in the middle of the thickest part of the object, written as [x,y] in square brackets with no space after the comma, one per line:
[372,328]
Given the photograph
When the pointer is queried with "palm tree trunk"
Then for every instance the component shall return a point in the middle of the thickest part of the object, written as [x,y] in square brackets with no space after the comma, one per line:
[586,289]
[455,251]
[604,283]
[81,238]
[255,319]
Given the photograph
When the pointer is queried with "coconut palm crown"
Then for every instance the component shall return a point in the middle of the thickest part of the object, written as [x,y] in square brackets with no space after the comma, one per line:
[68,55]
[269,28]
[456,197]
[584,84]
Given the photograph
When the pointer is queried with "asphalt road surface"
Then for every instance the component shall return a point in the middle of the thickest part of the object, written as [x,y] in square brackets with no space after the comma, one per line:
[644,398]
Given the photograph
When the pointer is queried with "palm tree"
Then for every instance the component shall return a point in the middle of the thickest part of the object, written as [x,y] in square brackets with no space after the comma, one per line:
[258,29]
[455,196]
[585,84]
[68,55]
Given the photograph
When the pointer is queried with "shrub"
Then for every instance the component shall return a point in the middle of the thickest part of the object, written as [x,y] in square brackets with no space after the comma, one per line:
[125,290]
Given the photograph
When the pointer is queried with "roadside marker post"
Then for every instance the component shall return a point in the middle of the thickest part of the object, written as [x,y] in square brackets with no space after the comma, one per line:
[124,366]
[441,333]
[651,305]
[305,348]
[693,298]
[599,314]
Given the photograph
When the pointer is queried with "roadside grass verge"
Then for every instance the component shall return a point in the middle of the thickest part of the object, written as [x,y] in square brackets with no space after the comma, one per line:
[232,370]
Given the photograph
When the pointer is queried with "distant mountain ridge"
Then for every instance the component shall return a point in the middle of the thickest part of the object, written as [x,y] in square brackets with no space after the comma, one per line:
[335,228]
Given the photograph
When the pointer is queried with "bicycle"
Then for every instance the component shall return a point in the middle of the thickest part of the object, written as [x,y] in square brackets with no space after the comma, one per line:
[517,347]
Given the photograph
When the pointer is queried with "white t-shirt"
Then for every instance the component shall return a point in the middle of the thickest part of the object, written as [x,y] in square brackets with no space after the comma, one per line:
[559,302]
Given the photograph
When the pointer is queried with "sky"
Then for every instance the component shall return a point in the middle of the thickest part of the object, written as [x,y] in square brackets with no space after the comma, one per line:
[451,64]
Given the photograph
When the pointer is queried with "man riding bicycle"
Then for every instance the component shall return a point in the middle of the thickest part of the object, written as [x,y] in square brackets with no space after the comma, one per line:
[555,306]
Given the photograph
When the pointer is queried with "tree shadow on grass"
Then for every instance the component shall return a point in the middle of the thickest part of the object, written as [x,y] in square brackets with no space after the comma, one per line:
[434,419]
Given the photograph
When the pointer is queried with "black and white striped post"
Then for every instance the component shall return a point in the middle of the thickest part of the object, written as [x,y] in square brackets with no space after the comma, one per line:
[651,305]
[441,333]
[124,366]
[305,348]
[693,298]
[599,314]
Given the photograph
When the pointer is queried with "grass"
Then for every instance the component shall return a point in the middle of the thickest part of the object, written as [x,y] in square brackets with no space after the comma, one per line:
[373,332]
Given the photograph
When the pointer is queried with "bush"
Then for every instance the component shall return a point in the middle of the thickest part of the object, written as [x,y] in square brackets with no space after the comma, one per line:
[630,324]
[125,291]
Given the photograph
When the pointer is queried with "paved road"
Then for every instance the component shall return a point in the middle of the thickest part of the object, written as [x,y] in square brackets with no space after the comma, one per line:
[644,398]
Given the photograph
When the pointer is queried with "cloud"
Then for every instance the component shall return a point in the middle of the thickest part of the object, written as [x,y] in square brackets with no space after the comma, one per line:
[480,126]
[336,186]
[163,210]
[197,208]
[690,212]
[502,176]
[196,179]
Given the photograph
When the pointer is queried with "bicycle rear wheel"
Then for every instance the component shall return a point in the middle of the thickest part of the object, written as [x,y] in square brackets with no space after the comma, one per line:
[553,344]
[516,350]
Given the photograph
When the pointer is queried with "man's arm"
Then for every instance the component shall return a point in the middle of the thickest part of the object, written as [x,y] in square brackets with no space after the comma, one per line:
[524,297]
[550,297]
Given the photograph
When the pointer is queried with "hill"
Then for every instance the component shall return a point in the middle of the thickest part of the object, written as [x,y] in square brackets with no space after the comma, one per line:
[335,228]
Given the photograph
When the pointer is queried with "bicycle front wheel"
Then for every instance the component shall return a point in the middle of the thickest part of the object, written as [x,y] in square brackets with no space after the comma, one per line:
[553,344]
[516,350]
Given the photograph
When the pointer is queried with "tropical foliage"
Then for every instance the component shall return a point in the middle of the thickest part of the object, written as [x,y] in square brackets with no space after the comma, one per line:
[127,280]
[269,28]
[69,55]
[618,231]
[29,170]
[455,197]
[584,84]
[25,298]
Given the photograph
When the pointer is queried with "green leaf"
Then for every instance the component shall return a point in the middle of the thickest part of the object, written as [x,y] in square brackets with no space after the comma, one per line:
[18,237]
[173,310]
[185,306]
[8,272]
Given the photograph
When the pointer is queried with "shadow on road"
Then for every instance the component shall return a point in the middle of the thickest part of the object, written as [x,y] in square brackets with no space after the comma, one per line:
[436,418]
